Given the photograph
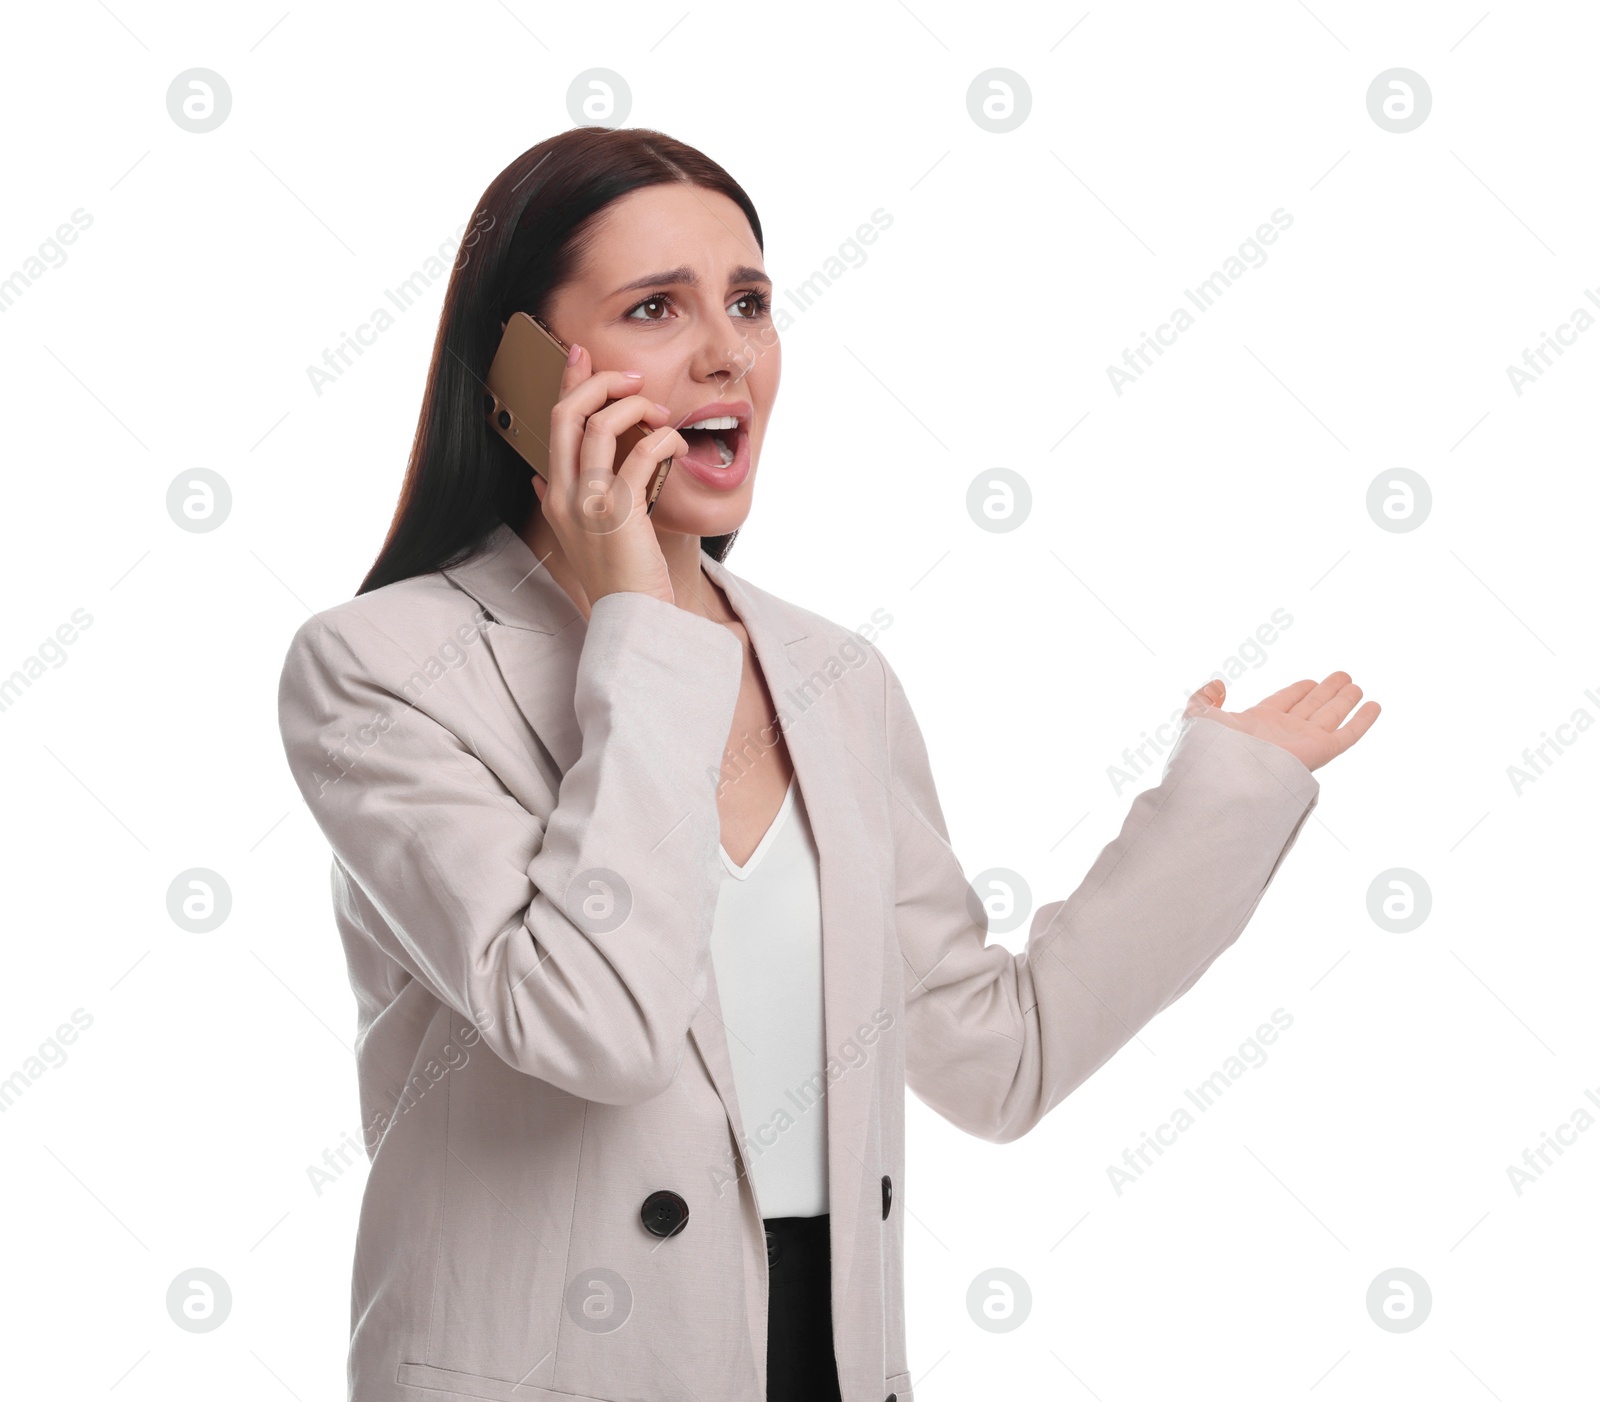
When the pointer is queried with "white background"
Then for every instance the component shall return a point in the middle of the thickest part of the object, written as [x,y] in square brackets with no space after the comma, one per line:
[1228,482]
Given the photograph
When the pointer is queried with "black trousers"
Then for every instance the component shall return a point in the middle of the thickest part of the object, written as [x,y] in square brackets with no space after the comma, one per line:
[800,1362]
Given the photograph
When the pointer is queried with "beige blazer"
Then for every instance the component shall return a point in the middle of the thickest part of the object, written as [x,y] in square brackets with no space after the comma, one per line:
[522,812]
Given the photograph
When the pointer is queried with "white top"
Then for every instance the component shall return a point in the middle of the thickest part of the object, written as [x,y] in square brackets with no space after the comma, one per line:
[766,947]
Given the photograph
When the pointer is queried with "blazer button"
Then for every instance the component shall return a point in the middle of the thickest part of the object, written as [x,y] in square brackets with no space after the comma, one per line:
[888,1194]
[774,1251]
[664,1213]
[892,1397]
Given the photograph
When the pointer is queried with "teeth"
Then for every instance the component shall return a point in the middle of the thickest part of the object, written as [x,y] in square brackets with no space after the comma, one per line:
[723,449]
[726,421]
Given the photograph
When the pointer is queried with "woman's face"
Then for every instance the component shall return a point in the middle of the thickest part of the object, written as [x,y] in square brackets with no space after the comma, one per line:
[672,286]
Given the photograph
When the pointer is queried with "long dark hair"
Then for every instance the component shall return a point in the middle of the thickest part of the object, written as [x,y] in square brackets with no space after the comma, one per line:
[529,230]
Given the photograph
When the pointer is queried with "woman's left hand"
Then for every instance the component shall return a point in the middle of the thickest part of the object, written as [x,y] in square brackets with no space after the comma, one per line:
[1305,718]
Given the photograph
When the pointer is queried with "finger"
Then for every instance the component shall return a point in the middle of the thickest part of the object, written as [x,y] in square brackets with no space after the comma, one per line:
[563,444]
[1332,712]
[625,412]
[587,396]
[570,415]
[1208,697]
[579,368]
[598,452]
[639,467]
[1288,696]
[1320,695]
[1357,726]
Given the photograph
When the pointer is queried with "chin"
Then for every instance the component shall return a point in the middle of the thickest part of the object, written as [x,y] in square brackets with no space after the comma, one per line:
[701,518]
[701,524]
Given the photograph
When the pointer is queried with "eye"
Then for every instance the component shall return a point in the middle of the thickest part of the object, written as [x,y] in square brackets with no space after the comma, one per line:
[756,303]
[659,300]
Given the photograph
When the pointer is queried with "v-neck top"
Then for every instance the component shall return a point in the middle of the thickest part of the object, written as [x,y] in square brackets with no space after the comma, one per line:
[766,948]
[767,839]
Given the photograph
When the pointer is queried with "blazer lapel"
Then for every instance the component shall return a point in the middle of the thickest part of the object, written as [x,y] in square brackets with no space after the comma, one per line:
[539,647]
[852,935]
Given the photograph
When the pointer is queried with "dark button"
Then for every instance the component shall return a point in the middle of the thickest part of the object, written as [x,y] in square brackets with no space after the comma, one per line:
[888,1194]
[774,1249]
[892,1397]
[664,1213]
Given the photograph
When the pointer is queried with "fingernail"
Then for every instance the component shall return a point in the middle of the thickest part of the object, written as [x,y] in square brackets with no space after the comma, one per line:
[632,375]
[663,408]
[572,355]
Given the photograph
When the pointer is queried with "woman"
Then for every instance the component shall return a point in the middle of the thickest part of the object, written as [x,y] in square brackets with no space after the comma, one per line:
[643,882]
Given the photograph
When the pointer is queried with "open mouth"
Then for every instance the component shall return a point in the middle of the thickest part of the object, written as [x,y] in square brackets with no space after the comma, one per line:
[714,443]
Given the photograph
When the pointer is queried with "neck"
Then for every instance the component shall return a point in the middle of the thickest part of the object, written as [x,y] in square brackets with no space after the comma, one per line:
[692,588]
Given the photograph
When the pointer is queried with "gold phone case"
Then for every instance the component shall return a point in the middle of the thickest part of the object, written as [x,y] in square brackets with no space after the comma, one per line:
[525,383]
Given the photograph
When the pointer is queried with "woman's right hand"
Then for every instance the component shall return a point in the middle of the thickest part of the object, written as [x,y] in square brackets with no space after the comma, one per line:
[599,515]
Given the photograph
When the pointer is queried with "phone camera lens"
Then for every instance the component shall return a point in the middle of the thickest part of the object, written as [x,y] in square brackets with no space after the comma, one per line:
[503,419]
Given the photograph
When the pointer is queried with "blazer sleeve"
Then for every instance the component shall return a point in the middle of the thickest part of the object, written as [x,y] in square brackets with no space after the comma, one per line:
[995,1040]
[484,901]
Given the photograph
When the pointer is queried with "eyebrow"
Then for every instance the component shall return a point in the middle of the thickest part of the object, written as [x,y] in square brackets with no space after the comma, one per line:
[687,277]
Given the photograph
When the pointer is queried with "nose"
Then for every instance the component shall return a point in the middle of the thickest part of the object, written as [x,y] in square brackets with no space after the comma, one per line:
[732,364]
[725,352]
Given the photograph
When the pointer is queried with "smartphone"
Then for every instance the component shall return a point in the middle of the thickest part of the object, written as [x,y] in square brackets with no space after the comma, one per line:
[523,386]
